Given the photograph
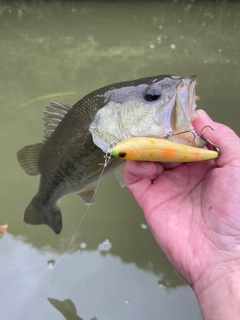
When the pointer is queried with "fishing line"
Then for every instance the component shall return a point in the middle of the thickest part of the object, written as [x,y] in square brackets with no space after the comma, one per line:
[107,158]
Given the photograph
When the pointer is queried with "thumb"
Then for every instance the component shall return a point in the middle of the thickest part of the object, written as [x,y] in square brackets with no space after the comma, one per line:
[221,135]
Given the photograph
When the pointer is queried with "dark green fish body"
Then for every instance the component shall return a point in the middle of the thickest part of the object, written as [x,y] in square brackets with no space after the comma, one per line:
[68,159]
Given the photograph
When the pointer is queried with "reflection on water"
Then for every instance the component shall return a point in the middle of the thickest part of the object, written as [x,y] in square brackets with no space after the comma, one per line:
[87,285]
[67,308]
[51,264]
[61,51]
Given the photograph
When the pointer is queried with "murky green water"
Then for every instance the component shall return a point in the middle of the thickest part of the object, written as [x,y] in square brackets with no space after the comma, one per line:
[61,51]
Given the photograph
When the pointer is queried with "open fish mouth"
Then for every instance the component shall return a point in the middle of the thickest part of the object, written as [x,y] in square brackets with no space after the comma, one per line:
[182,106]
[191,107]
[185,97]
[183,113]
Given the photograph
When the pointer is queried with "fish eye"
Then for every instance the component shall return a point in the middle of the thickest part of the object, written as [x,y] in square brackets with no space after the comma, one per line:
[152,94]
[122,154]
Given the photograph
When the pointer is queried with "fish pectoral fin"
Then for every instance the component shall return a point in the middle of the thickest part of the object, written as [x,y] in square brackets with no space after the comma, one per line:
[119,173]
[28,158]
[94,167]
[88,195]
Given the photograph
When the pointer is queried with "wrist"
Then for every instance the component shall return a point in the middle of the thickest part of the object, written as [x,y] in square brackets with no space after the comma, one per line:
[218,292]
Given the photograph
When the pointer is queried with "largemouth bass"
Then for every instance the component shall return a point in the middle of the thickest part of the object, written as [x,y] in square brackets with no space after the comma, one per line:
[76,137]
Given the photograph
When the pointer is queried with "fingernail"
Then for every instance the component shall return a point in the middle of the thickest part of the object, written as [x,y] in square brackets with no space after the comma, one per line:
[203,114]
[146,164]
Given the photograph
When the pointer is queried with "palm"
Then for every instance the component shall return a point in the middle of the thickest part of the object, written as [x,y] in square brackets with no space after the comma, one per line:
[186,217]
[187,209]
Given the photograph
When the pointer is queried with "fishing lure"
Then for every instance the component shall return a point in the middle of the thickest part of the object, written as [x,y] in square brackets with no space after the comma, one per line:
[160,150]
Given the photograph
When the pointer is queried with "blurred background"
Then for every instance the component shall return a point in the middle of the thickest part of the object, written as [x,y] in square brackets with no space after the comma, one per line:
[60,51]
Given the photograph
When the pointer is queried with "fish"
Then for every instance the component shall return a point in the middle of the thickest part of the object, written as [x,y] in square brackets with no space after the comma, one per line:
[77,137]
[66,308]
[159,150]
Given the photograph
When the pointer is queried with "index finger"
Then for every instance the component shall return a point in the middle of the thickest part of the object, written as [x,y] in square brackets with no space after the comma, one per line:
[223,136]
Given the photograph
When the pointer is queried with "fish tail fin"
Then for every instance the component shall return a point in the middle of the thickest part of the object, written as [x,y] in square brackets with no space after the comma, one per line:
[38,214]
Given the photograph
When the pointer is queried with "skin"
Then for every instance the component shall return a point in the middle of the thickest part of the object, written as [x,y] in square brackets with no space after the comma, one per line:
[193,212]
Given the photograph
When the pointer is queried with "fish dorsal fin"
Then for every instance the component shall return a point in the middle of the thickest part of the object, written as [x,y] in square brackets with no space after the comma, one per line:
[53,116]
[28,158]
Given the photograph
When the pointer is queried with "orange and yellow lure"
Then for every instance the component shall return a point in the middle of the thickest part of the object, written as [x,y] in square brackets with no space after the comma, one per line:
[160,150]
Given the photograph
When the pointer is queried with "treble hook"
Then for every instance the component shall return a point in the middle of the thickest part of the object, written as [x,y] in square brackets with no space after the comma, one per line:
[207,126]
[171,133]
[210,143]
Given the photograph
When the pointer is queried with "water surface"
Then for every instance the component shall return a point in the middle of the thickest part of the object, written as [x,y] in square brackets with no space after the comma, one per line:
[60,51]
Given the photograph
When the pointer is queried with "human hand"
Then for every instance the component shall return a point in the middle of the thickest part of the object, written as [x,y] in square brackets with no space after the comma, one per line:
[193,209]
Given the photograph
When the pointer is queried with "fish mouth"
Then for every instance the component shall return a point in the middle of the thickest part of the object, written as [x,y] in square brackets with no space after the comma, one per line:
[185,102]
[193,78]
[184,111]
[192,97]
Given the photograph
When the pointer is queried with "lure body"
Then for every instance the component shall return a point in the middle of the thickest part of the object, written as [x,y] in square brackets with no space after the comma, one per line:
[159,150]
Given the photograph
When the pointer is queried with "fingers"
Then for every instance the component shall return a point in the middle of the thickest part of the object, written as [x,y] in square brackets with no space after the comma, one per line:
[138,176]
[134,171]
[222,135]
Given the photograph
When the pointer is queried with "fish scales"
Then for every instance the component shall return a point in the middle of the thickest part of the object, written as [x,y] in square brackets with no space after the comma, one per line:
[77,137]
